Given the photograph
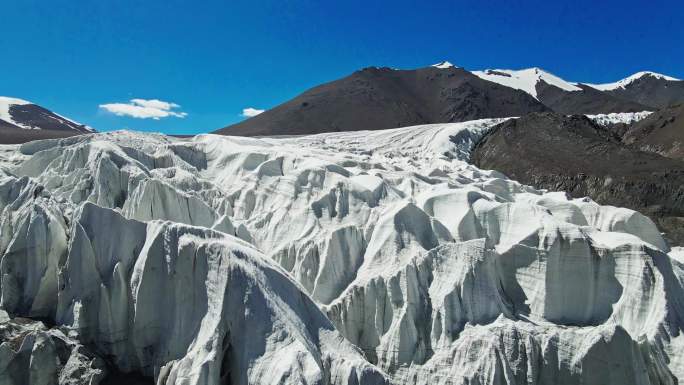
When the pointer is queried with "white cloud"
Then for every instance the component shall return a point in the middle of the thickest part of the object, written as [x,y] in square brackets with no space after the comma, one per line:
[250,112]
[155,103]
[144,109]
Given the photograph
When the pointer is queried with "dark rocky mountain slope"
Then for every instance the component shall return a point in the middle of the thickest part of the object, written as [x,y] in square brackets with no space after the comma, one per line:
[13,135]
[22,121]
[662,132]
[586,101]
[378,98]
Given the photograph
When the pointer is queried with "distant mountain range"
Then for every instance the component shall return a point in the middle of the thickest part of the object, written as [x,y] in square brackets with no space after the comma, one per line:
[379,98]
[559,95]
[22,121]
[376,98]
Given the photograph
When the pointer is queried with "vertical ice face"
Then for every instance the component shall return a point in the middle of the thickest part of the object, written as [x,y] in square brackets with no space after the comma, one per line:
[176,302]
[341,258]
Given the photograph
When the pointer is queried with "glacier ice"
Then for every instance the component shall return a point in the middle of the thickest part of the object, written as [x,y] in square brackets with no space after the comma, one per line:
[31,353]
[341,258]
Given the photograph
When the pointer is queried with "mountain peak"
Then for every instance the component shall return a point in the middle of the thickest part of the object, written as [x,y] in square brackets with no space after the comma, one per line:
[525,79]
[630,79]
[443,65]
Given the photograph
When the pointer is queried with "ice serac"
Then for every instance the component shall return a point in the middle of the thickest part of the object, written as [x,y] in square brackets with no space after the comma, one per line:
[31,353]
[529,281]
[619,117]
[341,258]
[224,315]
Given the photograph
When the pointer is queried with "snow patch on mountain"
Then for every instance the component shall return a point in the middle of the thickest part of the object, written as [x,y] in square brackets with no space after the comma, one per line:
[525,80]
[65,120]
[630,79]
[5,104]
[619,117]
[6,115]
[443,65]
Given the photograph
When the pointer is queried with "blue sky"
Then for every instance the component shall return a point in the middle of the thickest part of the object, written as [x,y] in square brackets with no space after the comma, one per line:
[214,58]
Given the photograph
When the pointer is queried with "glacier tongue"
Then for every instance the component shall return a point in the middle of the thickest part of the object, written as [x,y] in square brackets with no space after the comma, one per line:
[340,258]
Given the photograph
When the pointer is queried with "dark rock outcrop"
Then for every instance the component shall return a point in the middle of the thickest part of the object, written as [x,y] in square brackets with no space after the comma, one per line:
[662,132]
[587,101]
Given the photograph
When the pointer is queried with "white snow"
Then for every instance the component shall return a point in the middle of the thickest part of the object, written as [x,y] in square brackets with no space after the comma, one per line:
[619,117]
[65,120]
[443,65]
[5,104]
[677,254]
[628,80]
[338,258]
[525,79]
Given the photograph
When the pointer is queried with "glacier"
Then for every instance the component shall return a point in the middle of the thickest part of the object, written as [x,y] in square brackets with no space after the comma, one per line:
[371,257]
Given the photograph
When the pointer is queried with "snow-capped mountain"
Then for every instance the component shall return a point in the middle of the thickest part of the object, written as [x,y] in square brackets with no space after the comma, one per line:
[443,65]
[378,98]
[24,114]
[531,79]
[624,83]
[648,88]
[558,94]
[366,257]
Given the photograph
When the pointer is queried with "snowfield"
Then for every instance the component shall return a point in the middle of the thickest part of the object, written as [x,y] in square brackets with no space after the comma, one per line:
[525,79]
[369,257]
